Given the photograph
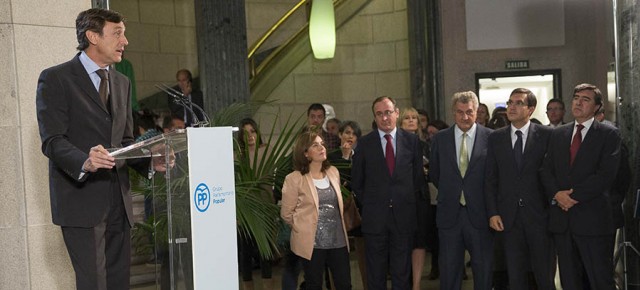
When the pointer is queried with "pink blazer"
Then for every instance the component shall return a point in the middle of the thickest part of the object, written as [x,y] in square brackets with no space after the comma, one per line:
[300,209]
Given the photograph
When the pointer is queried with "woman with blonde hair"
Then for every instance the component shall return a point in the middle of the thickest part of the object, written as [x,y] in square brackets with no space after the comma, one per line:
[410,121]
[312,206]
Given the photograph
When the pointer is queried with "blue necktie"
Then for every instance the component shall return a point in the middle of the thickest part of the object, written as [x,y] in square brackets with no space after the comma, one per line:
[517,150]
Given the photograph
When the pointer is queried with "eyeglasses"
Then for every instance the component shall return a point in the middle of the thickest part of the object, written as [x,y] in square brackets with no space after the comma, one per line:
[385,113]
[516,103]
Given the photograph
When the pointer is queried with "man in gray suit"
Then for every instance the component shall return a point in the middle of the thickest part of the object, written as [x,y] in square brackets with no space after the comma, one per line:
[456,168]
[84,107]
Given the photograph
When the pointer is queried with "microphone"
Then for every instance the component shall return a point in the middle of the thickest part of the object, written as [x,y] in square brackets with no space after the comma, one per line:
[180,99]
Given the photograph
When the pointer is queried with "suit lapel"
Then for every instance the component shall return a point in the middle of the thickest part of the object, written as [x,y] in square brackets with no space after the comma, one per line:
[506,146]
[84,81]
[566,144]
[478,146]
[452,154]
[532,137]
[116,91]
[312,189]
[587,141]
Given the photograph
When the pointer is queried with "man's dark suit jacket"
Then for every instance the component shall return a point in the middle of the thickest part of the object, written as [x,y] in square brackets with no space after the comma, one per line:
[72,119]
[445,175]
[506,185]
[375,188]
[590,177]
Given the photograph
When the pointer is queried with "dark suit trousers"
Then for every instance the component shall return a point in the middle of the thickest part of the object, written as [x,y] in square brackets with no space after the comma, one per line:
[389,251]
[593,254]
[101,255]
[453,241]
[337,261]
[529,247]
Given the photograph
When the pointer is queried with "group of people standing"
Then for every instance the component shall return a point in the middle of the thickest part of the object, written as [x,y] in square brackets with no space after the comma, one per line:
[547,191]
[544,191]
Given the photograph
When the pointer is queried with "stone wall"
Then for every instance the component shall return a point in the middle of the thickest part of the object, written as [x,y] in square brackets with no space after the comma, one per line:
[162,40]
[34,35]
[371,60]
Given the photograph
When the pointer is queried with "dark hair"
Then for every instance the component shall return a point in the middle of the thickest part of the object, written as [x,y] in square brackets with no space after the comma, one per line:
[167,122]
[336,120]
[498,111]
[241,134]
[554,100]
[185,71]
[380,99]
[530,97]
[146,120]
[498,121]
[486,118]
[93,20]
[301,146]
[590,87]
[534,120]
[353,125]
[438,124]
[424,113]
[315,107]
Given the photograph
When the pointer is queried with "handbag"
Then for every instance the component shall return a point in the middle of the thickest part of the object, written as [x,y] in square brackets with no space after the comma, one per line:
[352,218]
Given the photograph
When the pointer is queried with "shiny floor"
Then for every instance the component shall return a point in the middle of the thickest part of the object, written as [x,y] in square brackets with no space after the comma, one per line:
[356,280]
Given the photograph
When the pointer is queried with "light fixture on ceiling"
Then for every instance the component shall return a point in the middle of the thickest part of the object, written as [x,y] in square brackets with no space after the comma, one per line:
[322,29]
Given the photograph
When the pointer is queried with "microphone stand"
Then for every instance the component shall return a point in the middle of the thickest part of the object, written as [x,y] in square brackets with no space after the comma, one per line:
[180,99]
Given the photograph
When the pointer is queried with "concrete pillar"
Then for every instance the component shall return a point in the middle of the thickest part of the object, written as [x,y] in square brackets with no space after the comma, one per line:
[33,35]
[628,115]
[222,52]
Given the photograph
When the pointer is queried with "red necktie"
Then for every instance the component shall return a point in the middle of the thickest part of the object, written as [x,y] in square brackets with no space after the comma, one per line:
[575,144]
[391,159]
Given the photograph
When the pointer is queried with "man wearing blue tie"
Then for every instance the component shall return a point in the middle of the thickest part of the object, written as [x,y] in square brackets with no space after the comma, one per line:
[515,198]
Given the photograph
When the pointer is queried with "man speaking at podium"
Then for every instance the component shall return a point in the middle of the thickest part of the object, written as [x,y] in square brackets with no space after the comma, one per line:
[83,107]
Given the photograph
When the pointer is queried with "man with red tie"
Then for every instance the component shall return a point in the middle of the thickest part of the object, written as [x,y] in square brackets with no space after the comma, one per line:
[386,177]
[580,167]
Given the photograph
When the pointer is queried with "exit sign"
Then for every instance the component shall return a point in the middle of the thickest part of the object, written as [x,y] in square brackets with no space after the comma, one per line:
[516,64]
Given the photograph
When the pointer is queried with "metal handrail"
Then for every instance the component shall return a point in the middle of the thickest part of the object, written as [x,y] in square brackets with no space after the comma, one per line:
[275,27]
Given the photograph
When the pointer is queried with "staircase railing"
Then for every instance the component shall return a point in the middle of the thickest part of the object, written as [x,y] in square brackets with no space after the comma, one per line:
[285,56]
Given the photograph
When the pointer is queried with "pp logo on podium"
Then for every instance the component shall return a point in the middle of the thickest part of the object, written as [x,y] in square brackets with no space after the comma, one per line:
[202,197]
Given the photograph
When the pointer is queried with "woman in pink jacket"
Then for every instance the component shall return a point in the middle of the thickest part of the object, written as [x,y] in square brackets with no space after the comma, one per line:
[312,206]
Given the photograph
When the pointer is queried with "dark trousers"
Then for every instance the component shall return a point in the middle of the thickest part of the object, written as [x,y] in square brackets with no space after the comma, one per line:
[248,251]
[453,242]
[389,252]
[101,255]
[291,271]
[432,237]
[338,262]
[529,247]
[591,254]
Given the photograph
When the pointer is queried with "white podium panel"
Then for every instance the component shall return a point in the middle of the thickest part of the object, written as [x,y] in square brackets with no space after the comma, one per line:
[213,208]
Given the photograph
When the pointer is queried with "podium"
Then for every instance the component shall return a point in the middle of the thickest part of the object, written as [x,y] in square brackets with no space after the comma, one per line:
[194,207]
